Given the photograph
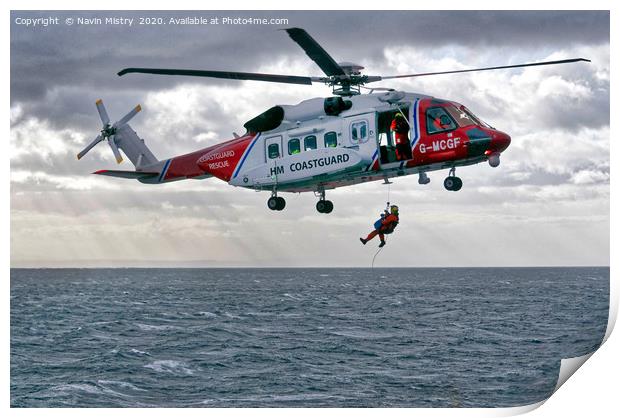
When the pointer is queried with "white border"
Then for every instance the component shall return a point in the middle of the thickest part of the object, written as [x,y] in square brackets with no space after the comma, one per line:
[588,393]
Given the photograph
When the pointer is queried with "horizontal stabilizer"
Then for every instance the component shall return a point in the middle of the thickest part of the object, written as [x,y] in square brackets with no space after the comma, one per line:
[137,175]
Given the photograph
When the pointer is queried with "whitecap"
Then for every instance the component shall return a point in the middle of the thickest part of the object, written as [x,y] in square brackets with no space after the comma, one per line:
[361,334]
[121,384]
[207,314]
[170,366]
[77,387]
[148,327]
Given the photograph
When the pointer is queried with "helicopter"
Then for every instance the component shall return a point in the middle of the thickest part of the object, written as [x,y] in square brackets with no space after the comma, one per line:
[323,143]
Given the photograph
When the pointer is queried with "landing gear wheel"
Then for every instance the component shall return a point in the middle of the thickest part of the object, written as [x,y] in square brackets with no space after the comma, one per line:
[324,206]
[329,206]
[458,183]
[453,183]
[272,203]
[281,203]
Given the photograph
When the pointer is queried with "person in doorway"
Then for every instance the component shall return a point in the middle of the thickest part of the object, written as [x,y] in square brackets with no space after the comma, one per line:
[400,127]
[384,226]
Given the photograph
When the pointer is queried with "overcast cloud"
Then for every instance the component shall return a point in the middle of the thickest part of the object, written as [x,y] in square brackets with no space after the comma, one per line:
[547,204]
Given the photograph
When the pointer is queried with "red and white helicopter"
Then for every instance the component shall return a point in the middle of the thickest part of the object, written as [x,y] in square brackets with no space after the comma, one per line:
[323,143]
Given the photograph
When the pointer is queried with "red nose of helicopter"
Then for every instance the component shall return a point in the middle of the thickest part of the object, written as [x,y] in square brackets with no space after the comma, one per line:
[499,141]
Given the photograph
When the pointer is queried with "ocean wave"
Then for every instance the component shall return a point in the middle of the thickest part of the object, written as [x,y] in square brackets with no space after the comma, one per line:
[361,334]
[136,351]
[77,387]
[170,366]
[149,327]
[120,384]
[288,295]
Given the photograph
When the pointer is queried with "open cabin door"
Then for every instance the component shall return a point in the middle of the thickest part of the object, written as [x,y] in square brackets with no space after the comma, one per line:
[396,129]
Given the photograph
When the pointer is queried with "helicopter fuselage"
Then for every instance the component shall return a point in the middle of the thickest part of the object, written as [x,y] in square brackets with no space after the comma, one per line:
[316,148]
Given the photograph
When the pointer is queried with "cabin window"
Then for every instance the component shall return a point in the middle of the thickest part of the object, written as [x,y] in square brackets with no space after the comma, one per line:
[461,117]
[331,140]
[438,120]
[273,151]
[294,146]
[476,119]
[309,142]
[359,131]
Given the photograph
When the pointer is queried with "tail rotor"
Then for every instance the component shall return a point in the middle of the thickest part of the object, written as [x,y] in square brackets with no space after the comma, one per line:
[108,131]
[102,112]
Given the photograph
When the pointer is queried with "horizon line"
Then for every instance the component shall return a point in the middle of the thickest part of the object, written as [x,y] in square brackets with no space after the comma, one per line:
[298,267]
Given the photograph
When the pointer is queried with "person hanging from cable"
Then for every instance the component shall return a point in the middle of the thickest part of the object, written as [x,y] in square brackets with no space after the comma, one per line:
[383,226]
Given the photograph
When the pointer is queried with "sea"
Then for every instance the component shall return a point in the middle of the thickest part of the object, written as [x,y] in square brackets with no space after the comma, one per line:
[454,337]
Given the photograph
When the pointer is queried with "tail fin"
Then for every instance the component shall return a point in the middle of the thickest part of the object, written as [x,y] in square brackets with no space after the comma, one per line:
[134,147]
[120,135]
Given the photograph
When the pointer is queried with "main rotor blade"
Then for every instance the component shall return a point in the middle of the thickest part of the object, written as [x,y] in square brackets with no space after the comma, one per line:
[133,112]
[89,146]
[315,51]
[274,78]
[483,69]
[102,113]
[117,154]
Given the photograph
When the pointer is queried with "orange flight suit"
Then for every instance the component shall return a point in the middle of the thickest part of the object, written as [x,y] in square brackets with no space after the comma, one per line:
[385,226]
[401,138]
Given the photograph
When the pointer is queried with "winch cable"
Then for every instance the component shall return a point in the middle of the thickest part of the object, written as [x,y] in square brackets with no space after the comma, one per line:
[373,259]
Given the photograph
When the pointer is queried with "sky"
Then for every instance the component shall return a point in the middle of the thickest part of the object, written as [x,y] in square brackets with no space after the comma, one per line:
[547,204]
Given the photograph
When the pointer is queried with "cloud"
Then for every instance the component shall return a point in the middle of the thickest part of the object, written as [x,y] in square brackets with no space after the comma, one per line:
[34,136]
[559,152]
[590,177]
[39,180]
[568,97]
[69,57]
[548,202]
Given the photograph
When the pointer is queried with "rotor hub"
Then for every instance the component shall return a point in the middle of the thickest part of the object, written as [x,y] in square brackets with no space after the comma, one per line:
[350,68]
[108,131]
[348,85]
